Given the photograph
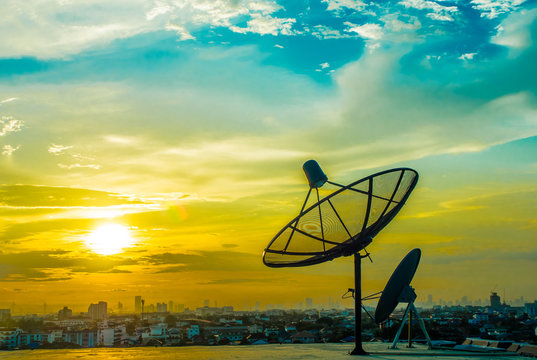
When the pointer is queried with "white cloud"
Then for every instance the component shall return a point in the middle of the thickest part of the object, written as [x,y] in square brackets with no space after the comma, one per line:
[326,32]
[181,31]
[440,17]
[58,30]
[8,150]
[366,31]
[338,5]
[324,65]
[160,8]
[265,24]
[58,149]
[121,140]
[374,112]
[468,56]
[8,125]
[79,166]
[8,100]
[514,31]
[492,8]
[440,12]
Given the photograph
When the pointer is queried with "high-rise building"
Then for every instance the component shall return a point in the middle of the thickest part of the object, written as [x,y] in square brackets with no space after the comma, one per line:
[180,308]
[309,303]
[98,311]
[137,304]
[170,306]
[5,314]
[531,309]
[206,303]
[162,307]
[65,313]
[495,300]
[119,307]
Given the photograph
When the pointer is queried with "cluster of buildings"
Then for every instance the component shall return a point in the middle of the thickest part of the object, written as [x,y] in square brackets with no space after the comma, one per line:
[158,325]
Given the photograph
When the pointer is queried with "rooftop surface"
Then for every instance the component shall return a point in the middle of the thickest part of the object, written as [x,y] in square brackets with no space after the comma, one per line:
[285,351]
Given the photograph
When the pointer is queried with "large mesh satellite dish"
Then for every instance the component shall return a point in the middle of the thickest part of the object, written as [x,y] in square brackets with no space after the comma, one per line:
[341,224]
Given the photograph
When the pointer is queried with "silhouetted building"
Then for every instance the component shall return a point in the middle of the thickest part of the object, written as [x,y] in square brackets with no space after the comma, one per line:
[495,300]
[5,314]
[65,313]
[137,304]
[98,311]
[162,307]
[529,308]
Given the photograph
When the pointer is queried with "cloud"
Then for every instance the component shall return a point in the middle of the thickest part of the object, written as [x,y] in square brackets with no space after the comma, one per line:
[326,32]
[514,31]
[439,12]
[79,166]
[493,8]
[229,246]
[338,6]
[33,196]
[8,100]
[468,56]
[366,31]
[53,265]
[8,150]
[267,25]
[181,31]
[57,30]
[8,124]
[240,281]
[58,149]
[203,261]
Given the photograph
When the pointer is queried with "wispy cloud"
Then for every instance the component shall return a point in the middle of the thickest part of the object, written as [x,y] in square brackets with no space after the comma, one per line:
[8,100]
[8,150]
[79,166]
[267,25]
[58,149]
[8,124]
[493,8]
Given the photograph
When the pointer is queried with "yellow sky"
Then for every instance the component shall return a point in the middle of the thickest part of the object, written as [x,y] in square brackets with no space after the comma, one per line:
[186,128]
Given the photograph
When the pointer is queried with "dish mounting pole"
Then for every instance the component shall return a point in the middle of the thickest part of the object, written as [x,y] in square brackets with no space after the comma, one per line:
[408,296]
[358,349]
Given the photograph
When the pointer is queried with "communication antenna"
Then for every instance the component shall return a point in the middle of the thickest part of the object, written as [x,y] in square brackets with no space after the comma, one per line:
[398,290]
[341,224]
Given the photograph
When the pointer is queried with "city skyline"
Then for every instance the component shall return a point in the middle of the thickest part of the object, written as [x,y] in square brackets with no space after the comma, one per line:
[124,306]
[154,148]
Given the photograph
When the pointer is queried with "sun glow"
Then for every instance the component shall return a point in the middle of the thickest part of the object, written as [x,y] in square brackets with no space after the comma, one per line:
[109,239]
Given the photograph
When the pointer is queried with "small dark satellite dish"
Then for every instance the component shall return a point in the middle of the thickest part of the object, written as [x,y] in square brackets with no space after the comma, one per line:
[400,279]
[398,290]
[341,224]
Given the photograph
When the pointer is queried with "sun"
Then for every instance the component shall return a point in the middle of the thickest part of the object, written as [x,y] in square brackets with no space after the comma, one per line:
[109,239]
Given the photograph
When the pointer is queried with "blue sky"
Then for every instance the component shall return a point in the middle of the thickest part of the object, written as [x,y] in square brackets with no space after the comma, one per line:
[213,106]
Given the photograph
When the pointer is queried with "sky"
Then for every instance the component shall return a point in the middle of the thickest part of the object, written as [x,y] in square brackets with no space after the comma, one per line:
[154,147]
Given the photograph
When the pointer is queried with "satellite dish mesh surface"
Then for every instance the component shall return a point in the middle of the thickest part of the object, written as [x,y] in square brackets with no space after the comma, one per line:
[343,222]
[400,279]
